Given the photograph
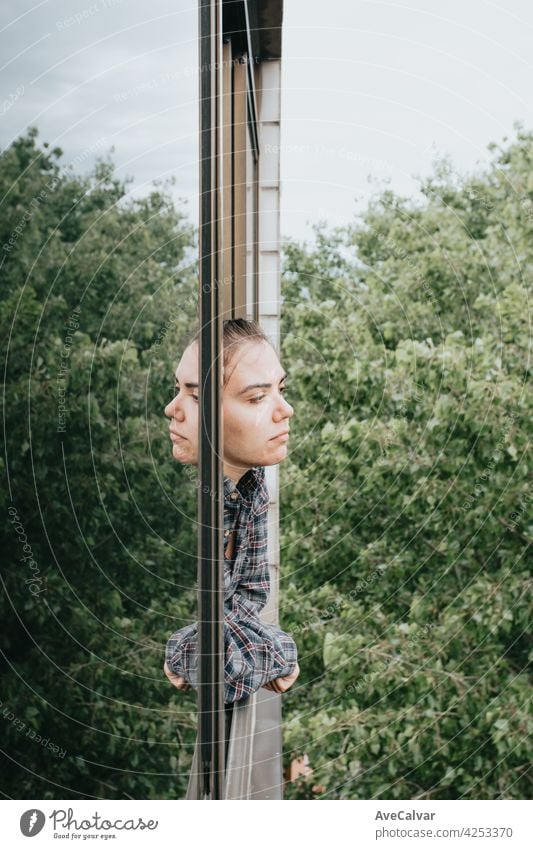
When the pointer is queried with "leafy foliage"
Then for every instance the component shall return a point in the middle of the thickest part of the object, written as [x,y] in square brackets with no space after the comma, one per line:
[97,291]
[407,496]
[405,501]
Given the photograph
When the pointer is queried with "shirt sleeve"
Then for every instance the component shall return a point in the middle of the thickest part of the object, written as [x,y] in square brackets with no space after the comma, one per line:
[253,587]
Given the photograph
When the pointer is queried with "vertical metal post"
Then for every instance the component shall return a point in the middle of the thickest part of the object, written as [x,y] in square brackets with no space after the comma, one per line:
[211,720]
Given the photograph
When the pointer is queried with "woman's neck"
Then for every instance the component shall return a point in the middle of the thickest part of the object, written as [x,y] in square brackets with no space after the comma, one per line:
[235,473]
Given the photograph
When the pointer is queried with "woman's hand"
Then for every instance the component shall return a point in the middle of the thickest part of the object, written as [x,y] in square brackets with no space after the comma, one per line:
[177,680]
[279,685]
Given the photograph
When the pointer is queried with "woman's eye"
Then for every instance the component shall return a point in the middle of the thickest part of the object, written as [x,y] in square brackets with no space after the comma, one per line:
[177,392]
[260,397]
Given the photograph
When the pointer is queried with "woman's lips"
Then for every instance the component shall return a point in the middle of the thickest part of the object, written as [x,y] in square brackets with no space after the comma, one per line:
[175,436]
[284,436]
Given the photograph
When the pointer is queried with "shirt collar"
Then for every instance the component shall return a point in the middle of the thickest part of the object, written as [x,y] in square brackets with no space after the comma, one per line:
[247,485]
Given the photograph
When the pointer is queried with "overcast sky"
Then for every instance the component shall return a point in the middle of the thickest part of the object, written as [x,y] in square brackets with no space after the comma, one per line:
[372,91]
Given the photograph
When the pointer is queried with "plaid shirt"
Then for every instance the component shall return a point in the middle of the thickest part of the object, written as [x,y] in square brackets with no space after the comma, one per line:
[255,653]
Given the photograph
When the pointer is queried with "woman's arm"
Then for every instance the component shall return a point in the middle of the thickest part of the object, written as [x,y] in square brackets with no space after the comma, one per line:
[256,654]
[280,660]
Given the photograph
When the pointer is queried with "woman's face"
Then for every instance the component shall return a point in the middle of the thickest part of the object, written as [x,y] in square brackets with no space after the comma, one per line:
[255,419]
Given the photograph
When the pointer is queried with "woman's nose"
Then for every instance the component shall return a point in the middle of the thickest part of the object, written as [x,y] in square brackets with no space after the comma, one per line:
[286,410]
[172,409]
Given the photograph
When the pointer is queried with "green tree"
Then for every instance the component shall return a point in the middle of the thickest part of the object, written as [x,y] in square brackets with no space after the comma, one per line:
[406,499]
[405,502]
[99,547]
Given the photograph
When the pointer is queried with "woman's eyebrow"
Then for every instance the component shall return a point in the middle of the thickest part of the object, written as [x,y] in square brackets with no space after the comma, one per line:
[188,385]
[260,385]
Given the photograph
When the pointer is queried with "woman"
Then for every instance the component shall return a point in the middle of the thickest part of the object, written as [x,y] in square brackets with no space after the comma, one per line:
[256,432]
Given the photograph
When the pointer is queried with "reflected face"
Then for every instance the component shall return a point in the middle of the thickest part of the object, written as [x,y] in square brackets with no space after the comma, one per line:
[255,418]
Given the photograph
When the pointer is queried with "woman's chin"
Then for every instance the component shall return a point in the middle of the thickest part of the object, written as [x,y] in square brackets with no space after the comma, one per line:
[179,454]
[276,456]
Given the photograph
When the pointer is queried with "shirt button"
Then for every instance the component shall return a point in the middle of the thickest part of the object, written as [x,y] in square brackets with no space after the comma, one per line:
[234,495]
[226,533]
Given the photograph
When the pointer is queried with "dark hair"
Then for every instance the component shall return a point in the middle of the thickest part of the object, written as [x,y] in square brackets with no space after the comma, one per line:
[236,332]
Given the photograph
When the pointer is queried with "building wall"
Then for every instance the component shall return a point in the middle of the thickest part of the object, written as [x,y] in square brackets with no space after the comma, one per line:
[268,89]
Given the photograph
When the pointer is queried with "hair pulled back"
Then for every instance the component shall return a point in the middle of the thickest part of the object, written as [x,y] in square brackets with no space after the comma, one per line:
[236,333]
